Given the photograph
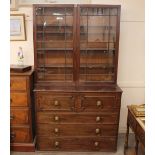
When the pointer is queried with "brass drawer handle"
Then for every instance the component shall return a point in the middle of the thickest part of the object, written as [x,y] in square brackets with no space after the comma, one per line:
[96,144]
[98,103]
[56,130]
[97,131]
[12,117]
[98,118]
[11,100]
[56,144]
[56,118]
[56,102]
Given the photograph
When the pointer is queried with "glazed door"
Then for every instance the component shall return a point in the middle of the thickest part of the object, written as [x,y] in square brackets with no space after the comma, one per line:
[98,26]
[54,43]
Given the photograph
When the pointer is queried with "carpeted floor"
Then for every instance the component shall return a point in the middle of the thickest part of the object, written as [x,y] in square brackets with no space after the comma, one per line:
[120,150]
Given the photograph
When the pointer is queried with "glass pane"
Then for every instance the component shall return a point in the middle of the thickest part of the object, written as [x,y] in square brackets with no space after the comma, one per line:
[55,44]
[97,45]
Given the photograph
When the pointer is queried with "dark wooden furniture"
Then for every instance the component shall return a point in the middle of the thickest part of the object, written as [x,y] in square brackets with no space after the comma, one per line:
[77,100]
[137,124]
[21,112]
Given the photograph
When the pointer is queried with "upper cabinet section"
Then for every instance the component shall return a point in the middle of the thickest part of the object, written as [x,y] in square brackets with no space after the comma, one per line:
[76,43]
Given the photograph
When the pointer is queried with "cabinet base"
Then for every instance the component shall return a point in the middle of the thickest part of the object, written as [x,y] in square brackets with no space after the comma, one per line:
[23,147]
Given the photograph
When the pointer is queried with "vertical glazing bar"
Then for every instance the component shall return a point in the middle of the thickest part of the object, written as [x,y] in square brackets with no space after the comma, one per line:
[86,47]
[43,43]
[65,45]
[108,39]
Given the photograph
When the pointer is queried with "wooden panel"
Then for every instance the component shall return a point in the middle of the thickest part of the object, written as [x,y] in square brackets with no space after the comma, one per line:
[99,103]
[18,83]
[19,116]
[76,130]
[55,102]
[106,118]
[18,99]
[76,144]
[20,135]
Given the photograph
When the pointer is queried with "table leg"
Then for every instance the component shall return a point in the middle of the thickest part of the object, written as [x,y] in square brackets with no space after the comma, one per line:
[136,146]
[126,139]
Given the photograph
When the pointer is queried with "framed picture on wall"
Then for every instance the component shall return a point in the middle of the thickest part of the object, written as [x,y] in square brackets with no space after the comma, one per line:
[13,5]
[17,27]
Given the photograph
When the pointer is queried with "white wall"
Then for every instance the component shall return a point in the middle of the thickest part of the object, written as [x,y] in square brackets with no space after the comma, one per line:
[131,53]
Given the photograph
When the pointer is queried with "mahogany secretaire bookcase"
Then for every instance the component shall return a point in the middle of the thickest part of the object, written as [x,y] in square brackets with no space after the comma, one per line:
[77,100]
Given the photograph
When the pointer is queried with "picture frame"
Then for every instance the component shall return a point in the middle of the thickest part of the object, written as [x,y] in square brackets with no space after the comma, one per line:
[13,5]
[17,27]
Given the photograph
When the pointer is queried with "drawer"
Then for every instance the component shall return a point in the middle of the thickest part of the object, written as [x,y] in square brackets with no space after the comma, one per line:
[18,83]
[131,121]
[140,133]
[20,135]
[19,116]
[55,102]
[76,130]
[76,144]
[18,99]
[99,103]
[106,118]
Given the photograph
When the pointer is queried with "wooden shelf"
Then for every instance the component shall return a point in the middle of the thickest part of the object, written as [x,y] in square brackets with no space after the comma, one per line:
[62,33]
[58,26]
[56,66]
[54,49]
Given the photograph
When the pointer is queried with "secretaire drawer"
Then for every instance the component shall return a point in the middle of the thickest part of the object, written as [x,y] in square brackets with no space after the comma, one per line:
[106,118]
[76,144]
[55,130]
[20,135]
[18,83]
[19,116]
[18,99]
[55,102]
[98,103]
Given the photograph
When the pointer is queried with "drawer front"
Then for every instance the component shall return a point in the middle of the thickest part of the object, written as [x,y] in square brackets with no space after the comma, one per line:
[18,99]
[140,134]
[20,135]
[107,118]
[19,116]
[18,83]
[76,130]
[99,103]
[55,102]
[76,144]
[131,121]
